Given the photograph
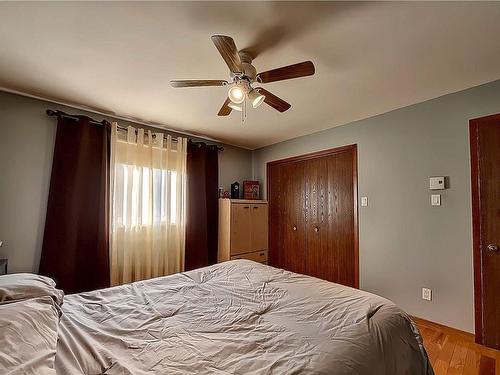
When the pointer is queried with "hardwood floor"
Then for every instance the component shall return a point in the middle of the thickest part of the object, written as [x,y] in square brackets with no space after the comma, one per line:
[453,352]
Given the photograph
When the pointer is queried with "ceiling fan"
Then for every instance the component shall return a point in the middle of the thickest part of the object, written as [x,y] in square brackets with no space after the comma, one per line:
[243,75]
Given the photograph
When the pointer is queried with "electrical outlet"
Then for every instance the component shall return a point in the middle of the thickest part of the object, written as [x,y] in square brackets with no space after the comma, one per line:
[427,294]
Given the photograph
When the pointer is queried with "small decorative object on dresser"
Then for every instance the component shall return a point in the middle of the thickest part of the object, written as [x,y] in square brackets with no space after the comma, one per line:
[242,230]
[235,190]
[251,189]
[3,266]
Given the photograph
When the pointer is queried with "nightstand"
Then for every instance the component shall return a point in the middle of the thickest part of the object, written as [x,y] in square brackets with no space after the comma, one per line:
[3,266]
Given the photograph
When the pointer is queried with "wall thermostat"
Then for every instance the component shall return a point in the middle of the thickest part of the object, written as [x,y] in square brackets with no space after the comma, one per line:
[436,183]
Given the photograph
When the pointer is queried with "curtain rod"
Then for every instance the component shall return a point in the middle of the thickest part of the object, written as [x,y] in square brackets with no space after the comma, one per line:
[51,112]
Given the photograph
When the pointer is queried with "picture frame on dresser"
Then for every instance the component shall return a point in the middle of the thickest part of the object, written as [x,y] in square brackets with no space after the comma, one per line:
[251,190]
[3,266]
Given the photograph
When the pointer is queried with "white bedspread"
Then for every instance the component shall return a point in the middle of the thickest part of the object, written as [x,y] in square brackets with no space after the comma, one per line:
[238,317]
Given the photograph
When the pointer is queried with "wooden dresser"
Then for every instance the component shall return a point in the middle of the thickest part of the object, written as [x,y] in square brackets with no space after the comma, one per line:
[242,230]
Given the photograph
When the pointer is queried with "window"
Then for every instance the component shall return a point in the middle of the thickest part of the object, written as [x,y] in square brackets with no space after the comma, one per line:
[148,199]
[145,196]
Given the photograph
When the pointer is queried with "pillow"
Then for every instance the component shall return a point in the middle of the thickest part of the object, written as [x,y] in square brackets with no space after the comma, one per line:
[29,336]
[18,286]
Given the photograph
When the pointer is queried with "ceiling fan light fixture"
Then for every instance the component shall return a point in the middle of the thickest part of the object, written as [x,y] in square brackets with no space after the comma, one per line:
[256,98]
[243,74]
[236,94]
[235,107]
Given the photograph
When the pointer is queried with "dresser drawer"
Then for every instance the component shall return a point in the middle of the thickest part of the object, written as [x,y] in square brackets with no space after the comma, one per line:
[258,256]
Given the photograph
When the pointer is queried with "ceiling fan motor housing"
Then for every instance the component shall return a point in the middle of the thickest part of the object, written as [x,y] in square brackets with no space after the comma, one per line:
[249,70]
[249,74]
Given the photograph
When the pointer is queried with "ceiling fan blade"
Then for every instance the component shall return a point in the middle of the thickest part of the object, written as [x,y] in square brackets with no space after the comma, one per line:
[302,69]
[197,82]
[225,110]
[272,100]
[228,51]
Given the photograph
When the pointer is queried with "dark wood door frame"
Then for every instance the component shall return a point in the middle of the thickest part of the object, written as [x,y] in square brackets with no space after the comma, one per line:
[318,154]
[476,223]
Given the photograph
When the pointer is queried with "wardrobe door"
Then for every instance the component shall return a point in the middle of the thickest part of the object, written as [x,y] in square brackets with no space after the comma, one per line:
[294,226]
[258,212]
[241,224]
[329,215]
[274,197]
[342,211]
[320,259]
[287,230]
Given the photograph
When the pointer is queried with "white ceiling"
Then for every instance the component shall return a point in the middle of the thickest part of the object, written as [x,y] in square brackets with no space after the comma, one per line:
[118,58]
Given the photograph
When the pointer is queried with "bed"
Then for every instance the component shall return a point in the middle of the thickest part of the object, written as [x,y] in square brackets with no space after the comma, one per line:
[237,317]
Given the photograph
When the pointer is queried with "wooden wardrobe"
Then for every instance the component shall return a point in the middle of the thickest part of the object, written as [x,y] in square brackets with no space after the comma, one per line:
[313,214]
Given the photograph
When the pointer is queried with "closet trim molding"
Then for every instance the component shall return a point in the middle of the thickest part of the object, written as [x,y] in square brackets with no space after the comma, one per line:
[353,148]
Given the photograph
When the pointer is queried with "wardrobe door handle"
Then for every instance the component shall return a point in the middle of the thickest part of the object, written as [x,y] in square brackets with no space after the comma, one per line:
[316,229]
[255,207]
[246,207]
[492,247]
[294,228]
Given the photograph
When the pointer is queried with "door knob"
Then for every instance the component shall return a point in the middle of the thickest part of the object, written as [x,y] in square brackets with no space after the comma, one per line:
[492,247]
[316,229]
[294,228]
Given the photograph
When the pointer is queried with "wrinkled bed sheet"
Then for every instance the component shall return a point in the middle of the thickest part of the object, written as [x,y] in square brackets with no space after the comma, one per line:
[237,317]
[28,336]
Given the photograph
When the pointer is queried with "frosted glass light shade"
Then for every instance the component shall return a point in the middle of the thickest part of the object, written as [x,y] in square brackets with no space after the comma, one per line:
[236,94]
[255,98]
[234,106]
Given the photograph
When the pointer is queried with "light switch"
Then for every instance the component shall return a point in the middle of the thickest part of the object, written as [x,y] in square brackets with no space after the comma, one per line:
[364,201]
[436,200]
[427,294]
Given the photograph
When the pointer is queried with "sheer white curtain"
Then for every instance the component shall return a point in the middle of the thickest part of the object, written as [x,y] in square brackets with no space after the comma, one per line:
[148,205]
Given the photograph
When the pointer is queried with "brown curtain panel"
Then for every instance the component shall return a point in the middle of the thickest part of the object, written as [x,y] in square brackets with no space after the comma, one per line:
[75,243]
[202,205]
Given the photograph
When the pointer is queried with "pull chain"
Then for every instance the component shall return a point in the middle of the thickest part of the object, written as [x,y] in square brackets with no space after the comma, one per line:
[243,111]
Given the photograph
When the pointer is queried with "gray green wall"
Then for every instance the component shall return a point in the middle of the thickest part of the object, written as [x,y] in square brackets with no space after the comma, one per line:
[404,243]
[27,137]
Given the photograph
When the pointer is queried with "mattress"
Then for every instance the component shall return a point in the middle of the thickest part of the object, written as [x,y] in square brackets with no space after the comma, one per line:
[236,317]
